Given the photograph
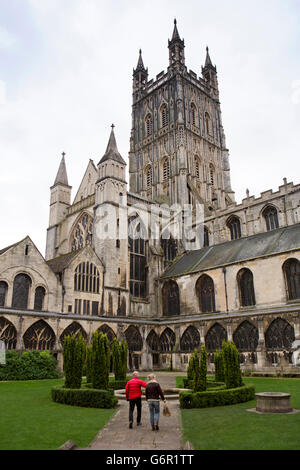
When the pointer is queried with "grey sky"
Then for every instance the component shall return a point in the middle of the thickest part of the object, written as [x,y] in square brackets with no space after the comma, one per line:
[66,76]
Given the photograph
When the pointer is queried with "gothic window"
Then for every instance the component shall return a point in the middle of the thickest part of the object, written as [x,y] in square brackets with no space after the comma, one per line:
[270,215]
[109,333]
[169,247]
[164,115]
[153,341]
[291,269]
[137,251]
[74,329]
[148,177]
[82,233]
[39,337]
[190,339]
[245,337]
[166,169]
[279,335]
[3,293]
[207,123]
[167,340]
[215,337]
[205,237]
[193,114]
[197,168]
[170,298]
[246,287]
[148,125]
[87,278]
[206,294]
[21,289]
[211,174]
[234,226]
[134,339]
[39,298]
[8,333]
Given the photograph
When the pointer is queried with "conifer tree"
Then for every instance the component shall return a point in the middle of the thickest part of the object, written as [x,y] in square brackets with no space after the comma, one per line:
[202,370]
[74,353]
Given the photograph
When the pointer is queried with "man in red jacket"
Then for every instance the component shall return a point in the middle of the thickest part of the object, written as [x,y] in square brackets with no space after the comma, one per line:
[134,396]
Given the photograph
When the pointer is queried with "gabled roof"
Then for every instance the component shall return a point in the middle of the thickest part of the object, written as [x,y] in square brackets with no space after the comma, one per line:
[59,264]
[3,250]
[256,246]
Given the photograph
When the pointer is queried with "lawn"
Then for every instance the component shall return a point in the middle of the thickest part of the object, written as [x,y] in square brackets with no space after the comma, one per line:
[235,428]
[31,421]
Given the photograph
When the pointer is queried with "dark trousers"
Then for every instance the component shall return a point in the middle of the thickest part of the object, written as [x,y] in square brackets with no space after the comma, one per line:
[138,403]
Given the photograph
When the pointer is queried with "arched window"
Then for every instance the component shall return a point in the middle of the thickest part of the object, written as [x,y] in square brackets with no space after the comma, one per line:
[137,251]
[170,296]
[167,340]
[245,337]
[39,337]
[280,335]
[193,114]
[148,173]
[39,298]
[166,169]
[197,167]
[148,125]
[8,333]
[134,339]
[169,247]
[206,294]
[205,237]
[234,226]
[105,329]
[215,337]
[211,174]
[246,287]
[21,289]
[87,278]
[291,269]
[207,123]
[271,217]
[190,339]
[153,341]
[164,115]
[82,233]
[3,293]
[74,329]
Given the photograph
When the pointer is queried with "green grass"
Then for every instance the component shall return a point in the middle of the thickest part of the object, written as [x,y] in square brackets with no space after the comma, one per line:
[235,428]
[31,421]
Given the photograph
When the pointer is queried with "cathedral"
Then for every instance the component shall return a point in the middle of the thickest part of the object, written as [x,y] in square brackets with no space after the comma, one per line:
[167,260]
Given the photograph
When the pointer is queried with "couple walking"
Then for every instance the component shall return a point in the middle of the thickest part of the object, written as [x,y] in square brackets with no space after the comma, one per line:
[153,394]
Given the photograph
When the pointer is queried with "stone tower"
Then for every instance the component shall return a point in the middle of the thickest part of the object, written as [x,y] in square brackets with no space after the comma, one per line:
[178,152]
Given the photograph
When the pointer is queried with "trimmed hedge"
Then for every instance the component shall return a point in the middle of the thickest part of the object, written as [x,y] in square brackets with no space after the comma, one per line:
[209,384]
[221,397]
[30,365]
[112,385]
[87,397]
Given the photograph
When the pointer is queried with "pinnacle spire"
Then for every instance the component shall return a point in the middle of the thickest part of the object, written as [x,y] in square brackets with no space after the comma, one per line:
[175,35]
[140,64]
[61,177]
[112,152]
[208,59]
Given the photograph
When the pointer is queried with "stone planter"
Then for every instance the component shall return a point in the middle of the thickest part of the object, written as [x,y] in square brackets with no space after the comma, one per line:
[273,402]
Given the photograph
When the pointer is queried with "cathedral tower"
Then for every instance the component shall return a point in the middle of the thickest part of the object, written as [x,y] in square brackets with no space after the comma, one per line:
[178,152]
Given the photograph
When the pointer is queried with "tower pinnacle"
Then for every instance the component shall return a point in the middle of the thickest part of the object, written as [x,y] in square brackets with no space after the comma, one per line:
[61,177]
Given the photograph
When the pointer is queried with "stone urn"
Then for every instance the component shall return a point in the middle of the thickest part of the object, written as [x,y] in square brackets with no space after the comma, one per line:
[273,402]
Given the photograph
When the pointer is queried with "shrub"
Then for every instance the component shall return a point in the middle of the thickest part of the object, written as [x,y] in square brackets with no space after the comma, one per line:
[89,364]
[232,371]
[31,365]
[219,366]
[100,361]
[74,352]
[221,397]
[87,397]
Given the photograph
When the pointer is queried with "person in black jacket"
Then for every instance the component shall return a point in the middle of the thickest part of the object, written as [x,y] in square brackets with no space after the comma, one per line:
[153,395]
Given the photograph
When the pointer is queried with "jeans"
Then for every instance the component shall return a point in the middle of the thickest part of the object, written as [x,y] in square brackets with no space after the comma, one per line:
[154,408]
[138,403]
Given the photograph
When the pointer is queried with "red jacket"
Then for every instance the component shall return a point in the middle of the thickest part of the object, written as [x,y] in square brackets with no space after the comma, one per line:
[133,388]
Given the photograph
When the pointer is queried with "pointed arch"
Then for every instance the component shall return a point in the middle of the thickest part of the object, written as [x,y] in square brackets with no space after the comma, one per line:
[39,298]
[82,231]
[234,225]
[165,168]
[74,329]
[21,291]
[109,332]
[153,341]
[167,340]
[148,176]
[246,287]
[245,337]
[137,236]
[164,118]
[39,337]
[3,293]
[197,163]
[149,125]
[134,339]
[215,337]
[205,292]
[211,174]
[190,339]
[270,214]
[193,114]
[8,333]
[280,335]
[291,270]
[170,298]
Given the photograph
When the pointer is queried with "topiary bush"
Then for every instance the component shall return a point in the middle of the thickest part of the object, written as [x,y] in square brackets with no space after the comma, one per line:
[86,397]
[220,397]
[74,353]
[202,384]
[232,370]
[100,361]
[219,366]
[30,365]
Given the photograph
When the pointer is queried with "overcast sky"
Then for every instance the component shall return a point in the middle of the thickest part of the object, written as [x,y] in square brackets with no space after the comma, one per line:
[66,76]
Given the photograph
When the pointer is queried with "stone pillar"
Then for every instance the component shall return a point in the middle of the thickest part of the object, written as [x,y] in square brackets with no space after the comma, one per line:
[145,363]
[20,345]
[229,329]
[176,355]
[201,331]
[296,318]
[261,347]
